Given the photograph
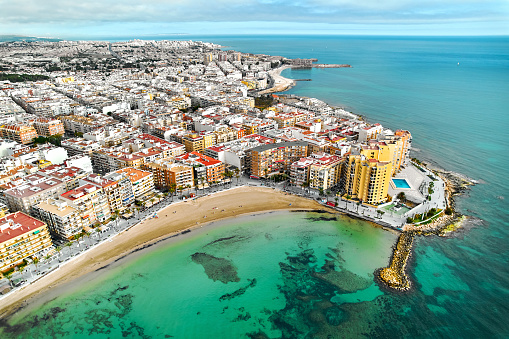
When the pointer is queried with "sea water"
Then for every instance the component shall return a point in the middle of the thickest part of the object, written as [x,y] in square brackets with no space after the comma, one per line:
[281,274]
[451,94]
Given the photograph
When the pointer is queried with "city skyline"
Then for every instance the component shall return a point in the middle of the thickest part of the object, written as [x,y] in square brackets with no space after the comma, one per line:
[166,17]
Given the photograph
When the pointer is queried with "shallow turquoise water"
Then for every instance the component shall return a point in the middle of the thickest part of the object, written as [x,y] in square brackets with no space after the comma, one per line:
[458,116]
[268,275]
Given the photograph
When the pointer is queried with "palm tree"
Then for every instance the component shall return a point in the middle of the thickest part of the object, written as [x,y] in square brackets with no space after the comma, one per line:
[237,174]
[87,234]
[229,175]
[195,182]
[188,186]
[98,230]
[173,189]
[336,198]
[58,249]
[36,261]
[9,277]
[180,189]
[202,181]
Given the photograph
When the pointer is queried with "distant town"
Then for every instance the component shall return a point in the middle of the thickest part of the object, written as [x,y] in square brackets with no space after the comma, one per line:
[93,133]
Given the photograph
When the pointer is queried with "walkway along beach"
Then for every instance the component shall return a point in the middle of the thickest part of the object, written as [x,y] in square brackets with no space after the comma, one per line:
[172,220]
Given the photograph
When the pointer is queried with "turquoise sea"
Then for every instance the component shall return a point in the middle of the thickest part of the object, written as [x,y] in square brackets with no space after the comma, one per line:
[298,275]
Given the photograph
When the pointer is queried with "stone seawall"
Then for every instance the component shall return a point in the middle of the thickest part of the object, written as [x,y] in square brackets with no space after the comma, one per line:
[395,276]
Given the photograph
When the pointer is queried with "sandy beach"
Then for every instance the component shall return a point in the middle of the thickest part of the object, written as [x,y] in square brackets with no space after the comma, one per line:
[280,83]
[175,218]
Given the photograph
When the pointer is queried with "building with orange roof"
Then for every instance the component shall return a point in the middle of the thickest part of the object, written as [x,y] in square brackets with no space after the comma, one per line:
[19,132]
[125,187]
[47,127]
[142,182]
[110,187]
[276,158]
[210,169]
[21,237]
[168,173]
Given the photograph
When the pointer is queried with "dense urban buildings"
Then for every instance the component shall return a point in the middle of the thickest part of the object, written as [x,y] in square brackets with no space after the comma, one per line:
[97,135]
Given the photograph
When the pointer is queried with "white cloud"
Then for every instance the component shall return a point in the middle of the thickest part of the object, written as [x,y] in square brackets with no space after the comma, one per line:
[60,13]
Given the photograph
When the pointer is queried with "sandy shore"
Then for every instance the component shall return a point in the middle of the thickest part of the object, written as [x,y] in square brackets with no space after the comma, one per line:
[280,83]
[187,214]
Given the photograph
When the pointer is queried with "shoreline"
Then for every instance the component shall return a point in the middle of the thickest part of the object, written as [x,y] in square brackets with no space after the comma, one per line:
[395,277]
[281,83]
[188,216]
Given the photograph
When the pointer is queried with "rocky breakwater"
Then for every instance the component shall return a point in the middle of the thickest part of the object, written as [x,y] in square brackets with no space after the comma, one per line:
[449,220]
[322,66]
[331,66]
[394,276]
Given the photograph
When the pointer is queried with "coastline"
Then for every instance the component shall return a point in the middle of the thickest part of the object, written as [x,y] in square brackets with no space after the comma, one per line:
[395,276]
[103,255]
[188,215]
[281,83]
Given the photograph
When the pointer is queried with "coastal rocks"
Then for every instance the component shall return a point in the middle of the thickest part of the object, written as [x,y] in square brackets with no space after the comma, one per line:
[395,276]
[217,268]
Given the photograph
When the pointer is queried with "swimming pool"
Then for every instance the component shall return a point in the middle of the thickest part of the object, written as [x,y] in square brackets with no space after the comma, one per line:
[400,183]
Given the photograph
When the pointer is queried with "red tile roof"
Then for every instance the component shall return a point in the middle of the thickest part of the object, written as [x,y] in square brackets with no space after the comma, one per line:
[27,223]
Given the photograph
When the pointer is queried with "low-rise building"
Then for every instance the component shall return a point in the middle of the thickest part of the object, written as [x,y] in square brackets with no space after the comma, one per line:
[70,175]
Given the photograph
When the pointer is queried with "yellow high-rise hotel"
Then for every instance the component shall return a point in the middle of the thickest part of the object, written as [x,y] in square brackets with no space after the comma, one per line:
[367,175]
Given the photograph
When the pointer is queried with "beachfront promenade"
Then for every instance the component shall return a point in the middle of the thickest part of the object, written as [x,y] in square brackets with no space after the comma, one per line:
[389,219]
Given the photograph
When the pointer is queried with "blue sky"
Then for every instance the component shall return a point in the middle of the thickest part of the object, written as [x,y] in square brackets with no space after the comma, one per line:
[66,19]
